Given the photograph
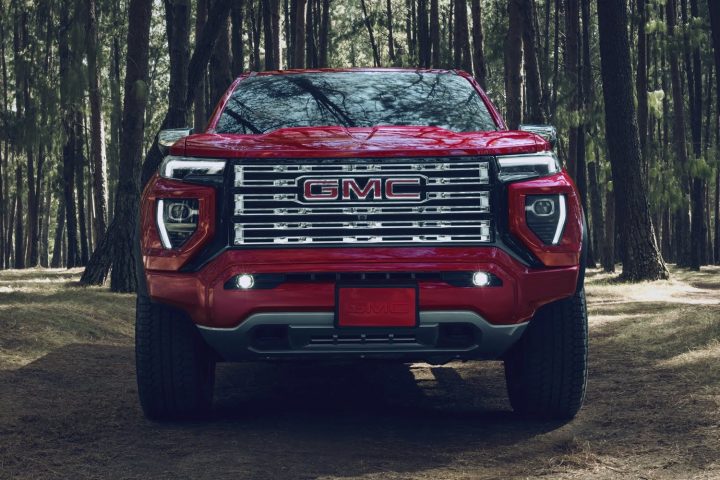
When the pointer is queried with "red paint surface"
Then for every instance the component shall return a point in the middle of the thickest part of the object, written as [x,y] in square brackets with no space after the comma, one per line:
[567,252]
[376,307]
[202,295]
[157,257]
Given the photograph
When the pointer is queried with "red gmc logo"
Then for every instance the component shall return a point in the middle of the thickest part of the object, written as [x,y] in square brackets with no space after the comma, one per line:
[373,188]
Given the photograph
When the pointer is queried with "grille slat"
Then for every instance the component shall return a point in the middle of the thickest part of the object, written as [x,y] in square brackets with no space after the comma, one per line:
[425,200]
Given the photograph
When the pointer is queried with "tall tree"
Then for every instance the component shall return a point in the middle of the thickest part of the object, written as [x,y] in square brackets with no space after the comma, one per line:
[299,34]
[238,50]
[368,25]
[681,217]
[391,39]
[423,34]
[571,58]
[640,255]
[324,33]
[220,61]
[535,107]
[641,84]
[698,228]
[272,39]
[19,234]
[68,100]
[435,34]
[462,56]
[200,115]
[513,64]
[97,129]
[119,242]
[480,68]
[714,8]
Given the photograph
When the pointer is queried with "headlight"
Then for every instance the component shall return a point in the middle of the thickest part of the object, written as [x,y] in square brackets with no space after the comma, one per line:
[180,167]
[518,167]
[545,216]
[177,220]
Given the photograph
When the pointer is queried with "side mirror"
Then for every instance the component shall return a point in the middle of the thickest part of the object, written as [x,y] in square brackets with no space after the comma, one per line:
[548,132]
[167,138]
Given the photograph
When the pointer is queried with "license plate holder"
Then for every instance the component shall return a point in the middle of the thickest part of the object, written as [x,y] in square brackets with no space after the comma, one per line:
[380,306]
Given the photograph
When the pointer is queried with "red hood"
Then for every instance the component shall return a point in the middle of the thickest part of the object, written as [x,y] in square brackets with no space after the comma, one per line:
[367,142]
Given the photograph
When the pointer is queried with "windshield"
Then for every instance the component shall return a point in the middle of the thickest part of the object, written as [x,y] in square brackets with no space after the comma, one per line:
[264,103]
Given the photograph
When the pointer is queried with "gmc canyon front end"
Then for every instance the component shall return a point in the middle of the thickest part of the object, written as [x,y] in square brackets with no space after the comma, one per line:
[361,214]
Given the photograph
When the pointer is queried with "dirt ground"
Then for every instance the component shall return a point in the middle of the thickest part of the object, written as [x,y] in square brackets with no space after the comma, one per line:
[68,406]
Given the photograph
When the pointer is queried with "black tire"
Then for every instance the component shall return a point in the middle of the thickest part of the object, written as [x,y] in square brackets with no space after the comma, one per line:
[175,368]
[546,371]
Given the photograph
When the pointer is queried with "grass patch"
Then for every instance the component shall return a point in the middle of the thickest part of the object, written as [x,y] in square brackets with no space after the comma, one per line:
[45,309]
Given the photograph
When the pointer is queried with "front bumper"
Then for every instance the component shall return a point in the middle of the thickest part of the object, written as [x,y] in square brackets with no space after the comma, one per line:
[441,336]
[204,296]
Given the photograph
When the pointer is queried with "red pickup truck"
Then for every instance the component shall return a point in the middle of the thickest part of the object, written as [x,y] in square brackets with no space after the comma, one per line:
[372,214]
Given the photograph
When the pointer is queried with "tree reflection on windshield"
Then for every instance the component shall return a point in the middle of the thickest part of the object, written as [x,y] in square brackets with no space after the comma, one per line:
[262,103]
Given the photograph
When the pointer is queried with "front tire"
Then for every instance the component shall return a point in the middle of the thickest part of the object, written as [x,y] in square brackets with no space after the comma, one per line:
[175,368]
[546,371]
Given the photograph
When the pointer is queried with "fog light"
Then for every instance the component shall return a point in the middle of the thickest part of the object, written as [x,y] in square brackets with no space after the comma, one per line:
[481,279]
[245,281]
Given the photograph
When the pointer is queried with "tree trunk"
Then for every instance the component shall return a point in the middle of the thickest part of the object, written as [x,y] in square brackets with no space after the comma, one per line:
[56,261]
[45,226]
[682,220]
[714,8]
[324,33]
[220,62]
[584,98]
[572,24]
[536,109]
[238,53]
[200,115]
[513,61]
[80,189]
[368,25]
[556,57]
[435,33]
[97,129]
[271,63]
[640,255]
[608,257]
[641,86]
[462,56]
[115,120]
[423,34]
[698,228]
[19,234]
[310,47]
[299,34]
[596,211]
[68,61]
[177,25]
[391,40]
[118,247]
[478,53]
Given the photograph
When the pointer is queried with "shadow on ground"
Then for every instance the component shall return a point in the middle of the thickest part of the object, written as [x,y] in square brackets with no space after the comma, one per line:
[74,413]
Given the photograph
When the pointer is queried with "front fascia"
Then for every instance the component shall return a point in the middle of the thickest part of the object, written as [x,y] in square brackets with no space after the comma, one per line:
[203,296]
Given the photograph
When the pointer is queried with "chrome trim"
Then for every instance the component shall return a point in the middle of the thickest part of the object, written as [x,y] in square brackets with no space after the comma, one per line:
[262,193]
[561,220]
[208,166]
[164,238]
[540,158]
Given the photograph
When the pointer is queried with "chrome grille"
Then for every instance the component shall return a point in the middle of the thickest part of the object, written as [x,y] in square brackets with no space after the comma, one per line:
[273,206]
